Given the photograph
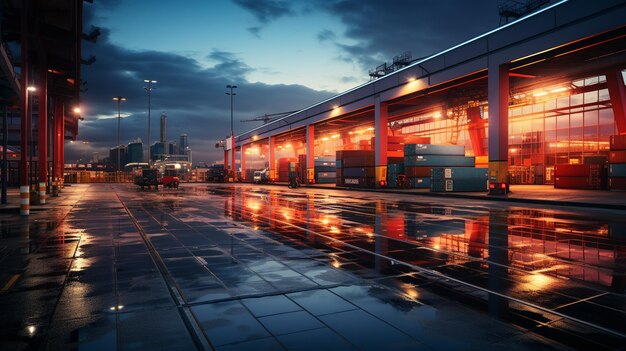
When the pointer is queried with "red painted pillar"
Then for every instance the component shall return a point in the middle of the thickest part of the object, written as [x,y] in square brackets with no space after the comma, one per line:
[310,153]
[232,154]
[476,130]
[42,154]
[62,146]
[380,147]
[271,160]
[617,92]
[24,122]
[56,146]
[243,161]
[225,159]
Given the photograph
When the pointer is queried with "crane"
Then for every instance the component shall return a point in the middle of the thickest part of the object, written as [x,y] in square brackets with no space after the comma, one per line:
[268,117]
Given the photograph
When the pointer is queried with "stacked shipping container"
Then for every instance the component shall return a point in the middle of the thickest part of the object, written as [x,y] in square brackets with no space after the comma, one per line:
[355,168]
[459,179]
[617,163]
[419,159]
[325,170]
[285,165]
[585,176]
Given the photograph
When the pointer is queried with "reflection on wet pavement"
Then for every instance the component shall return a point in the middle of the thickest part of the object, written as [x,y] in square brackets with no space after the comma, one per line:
[264,268]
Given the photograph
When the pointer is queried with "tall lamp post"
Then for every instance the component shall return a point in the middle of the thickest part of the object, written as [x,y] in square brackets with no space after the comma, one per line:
[119,100]
[148,85]
[232,133]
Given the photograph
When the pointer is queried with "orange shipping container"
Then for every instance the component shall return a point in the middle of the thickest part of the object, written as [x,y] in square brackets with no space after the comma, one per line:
[617,156]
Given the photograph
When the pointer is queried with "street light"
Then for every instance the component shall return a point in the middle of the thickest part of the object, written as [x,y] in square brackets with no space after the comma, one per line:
[148,86]
[119,100]
[232,134]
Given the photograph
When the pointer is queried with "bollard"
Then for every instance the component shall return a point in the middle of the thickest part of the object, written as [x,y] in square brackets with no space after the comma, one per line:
[42,193]
[55,187]
[24,200]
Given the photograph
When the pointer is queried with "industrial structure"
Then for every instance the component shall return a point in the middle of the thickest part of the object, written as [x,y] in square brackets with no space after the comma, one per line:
[524,100]
[40,84]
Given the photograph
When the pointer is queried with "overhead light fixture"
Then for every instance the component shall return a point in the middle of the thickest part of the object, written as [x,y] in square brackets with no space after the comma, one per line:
[540,93]
[31,88]
[76,109]
[558,90]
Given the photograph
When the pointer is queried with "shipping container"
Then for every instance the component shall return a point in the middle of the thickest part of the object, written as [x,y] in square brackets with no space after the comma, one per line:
[430,149]
[618,142]
[596,160]
[617,170]
[359,172]
[417,171]
[358,182]
[469,184]
[439,161]
[332,175]
[617,183]
[458,173]
[325,169]
[572,183]
[420,183]
[567,170]
[617,156]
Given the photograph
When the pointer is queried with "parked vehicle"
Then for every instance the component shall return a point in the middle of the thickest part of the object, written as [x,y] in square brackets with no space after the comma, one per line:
[261,176]
[294,180]
[147,178]
[170,177]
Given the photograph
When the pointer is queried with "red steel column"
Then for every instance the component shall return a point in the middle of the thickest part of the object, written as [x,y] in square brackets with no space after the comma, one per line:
[271,158]
[24,131]
[56,148]
[42,154]
[226,159]
[498,100]
[243,161]
[310,153]
[617,92]
[232,153]
[380,147]
[476,130]
[62,147]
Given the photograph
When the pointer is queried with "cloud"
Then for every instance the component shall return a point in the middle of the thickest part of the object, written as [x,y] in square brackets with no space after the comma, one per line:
[326,35]
[378,31]
[192,96]
[266,11]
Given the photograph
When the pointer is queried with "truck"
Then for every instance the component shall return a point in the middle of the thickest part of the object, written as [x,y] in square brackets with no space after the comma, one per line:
[147,177]
[170,177]
[261,176]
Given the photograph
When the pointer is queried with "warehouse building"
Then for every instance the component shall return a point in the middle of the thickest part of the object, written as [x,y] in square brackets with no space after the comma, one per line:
[540,100]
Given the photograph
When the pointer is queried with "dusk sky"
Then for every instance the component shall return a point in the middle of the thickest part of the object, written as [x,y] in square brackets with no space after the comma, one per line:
[282,55]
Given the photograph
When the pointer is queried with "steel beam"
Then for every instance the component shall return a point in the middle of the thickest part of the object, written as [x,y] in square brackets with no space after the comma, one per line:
[617,93]
[310,153]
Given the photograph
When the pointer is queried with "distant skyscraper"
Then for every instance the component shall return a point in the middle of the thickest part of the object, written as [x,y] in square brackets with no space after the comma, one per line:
[134,152]
[113,156]
[157,151]
[172,147]
[183,144]
[163,139]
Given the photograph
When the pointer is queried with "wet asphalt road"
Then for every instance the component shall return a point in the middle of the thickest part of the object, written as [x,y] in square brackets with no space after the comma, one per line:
[248,267]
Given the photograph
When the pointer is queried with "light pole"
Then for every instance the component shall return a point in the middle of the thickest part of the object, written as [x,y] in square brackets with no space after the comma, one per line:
[148,85]
[232,133]
[119,100]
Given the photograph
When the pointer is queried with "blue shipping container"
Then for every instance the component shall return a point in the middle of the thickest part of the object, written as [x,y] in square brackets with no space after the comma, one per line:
[325,169]
[430,149]
[459,185]
[459,173]
[338,163]
[439,161]
[617,170]
[420,182]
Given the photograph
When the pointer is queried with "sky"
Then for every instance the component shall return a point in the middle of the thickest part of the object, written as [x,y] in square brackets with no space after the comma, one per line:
[282,55]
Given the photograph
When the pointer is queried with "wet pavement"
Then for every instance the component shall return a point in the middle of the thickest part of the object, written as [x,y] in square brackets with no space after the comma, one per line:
[247,267]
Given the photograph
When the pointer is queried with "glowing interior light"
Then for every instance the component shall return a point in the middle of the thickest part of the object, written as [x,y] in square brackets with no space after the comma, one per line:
[335,136]
[437,115]
[324,139]
[370,128]
[411,79]
[288,145]
[558,90]
[350,132]
[540,93]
